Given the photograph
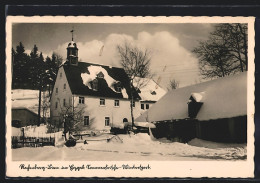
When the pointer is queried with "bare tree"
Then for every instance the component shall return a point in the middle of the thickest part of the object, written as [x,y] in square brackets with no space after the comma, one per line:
[45,105]
[136,63]
[72,117]
[173,84]
[225,52]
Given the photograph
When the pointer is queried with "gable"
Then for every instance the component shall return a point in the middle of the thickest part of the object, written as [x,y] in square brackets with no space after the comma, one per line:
[150,91]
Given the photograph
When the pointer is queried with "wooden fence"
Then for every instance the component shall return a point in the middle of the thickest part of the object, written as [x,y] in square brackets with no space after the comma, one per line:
[22,141]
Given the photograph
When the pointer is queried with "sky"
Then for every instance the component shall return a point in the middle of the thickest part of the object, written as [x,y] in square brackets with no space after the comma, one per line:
[170,45]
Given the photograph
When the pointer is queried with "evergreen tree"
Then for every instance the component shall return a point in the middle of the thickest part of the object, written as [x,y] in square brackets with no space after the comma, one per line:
[20,49]
[52,67]
[20,63]
[34,52]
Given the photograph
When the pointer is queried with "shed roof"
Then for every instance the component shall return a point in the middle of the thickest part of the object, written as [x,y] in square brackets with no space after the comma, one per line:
[222,98]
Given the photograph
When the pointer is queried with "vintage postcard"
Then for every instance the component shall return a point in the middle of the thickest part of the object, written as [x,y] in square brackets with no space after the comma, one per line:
[130,96]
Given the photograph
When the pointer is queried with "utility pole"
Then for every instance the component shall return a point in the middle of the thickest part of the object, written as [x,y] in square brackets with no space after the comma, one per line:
[40,97]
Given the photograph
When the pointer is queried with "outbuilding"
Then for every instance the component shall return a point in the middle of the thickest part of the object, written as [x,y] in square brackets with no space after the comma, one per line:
[22,116]
[215,110]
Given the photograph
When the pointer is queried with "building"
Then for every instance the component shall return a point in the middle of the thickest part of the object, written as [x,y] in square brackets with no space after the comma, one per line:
[214,110]
[101,92]
[28,100]
[22,117]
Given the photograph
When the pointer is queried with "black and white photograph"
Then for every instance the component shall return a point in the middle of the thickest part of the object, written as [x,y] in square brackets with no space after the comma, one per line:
[175,91]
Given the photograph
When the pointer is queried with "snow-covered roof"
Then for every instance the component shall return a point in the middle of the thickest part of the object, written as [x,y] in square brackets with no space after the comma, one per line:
[80,79]
[151,91]
[222,98]
[198,96]
[93,72]
[82,76]
[24,98]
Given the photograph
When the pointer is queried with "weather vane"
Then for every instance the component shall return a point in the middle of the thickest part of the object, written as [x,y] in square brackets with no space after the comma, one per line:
[72,32]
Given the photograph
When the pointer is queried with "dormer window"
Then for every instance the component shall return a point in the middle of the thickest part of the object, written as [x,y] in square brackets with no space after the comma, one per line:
[153,92]
[194,104]
[118,87]
[95,84]
[100,75]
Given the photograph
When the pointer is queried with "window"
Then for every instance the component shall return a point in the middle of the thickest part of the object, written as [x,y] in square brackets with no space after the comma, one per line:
[61,74]
[142,106]
[116,103]
[81,100]
[64,86]
[133,103]
[102,102]
[86,120]
[64,102]
[100,75]
[107,121]
[153,92]
[147,106]
[118,87]
[95,84]
[57,90]
[56,105]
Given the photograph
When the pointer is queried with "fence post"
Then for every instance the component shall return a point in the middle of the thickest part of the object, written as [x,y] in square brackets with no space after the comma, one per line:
[23,135]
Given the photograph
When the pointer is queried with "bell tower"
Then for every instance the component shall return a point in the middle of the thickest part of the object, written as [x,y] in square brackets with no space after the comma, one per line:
[72,52]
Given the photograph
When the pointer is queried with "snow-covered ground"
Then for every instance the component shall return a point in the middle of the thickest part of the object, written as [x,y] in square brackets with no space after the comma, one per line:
[132,147]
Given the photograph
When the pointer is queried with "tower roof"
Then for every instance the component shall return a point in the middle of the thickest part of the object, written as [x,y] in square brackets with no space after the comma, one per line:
[72,44]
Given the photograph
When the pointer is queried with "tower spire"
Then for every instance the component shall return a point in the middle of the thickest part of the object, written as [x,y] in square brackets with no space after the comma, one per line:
[72,51]
[72,32]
